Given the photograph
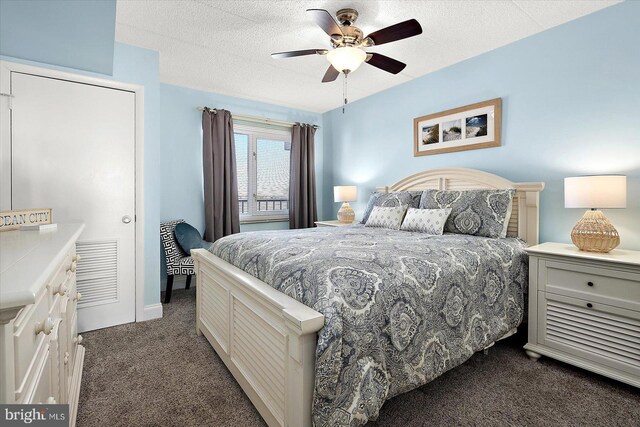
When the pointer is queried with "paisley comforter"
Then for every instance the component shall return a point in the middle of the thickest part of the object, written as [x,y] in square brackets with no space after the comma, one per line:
[400,308]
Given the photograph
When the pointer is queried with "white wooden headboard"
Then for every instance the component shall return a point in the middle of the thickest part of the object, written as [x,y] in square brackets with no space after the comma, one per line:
[524,221]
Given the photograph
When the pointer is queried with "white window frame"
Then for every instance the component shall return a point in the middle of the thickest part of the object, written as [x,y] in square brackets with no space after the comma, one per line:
[254,133]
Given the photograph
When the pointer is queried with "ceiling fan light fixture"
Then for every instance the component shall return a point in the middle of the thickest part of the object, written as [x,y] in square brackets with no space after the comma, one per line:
[346,58]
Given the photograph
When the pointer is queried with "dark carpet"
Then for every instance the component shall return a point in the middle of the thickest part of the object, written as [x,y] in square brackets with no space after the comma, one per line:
[159,373]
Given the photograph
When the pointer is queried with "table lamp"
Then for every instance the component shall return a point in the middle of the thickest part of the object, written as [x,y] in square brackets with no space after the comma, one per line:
[346,194]
[594,232]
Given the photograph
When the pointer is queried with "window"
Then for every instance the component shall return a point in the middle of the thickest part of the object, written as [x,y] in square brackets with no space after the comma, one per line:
[262,159]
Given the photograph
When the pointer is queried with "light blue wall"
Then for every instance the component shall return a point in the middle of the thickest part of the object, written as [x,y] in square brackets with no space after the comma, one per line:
[571,106]
[70,33]
[181,148]
[140,66]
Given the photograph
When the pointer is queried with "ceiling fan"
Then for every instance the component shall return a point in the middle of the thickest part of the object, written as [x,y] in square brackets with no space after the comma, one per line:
[348,43]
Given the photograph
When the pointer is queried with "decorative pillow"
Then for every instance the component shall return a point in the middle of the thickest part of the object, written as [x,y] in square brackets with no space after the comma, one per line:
[475,212]
[415,199]
[386,217]
[430,221]
[407,198]
[189,238]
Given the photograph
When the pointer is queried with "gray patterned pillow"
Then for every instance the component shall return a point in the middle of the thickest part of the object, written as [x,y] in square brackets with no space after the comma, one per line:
[386,217]
[415,199]
[407,198]
[475,212]
[430,221]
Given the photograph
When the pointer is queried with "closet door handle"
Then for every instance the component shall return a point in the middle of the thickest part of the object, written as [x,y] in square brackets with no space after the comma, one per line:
[126,219]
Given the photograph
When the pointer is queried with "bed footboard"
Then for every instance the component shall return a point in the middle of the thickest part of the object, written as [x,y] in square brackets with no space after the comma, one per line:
[265,338]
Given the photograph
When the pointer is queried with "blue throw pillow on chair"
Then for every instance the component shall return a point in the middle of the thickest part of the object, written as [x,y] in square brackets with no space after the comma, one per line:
[189,238]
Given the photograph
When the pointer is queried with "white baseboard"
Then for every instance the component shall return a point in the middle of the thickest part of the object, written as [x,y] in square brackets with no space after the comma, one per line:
[152,311]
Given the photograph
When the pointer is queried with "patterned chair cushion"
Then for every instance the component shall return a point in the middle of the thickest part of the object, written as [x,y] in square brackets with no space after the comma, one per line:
[407,198]
[386,217]
[177,261]
[186,262]
[475,212]
[430,221]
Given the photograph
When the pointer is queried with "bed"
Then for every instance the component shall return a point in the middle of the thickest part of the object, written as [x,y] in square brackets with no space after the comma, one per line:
[397,333]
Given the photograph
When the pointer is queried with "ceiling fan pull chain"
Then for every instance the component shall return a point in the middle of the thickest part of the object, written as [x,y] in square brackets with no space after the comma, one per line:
[344,91]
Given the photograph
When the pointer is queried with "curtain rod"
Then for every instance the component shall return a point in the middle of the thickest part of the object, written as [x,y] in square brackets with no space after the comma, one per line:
[255,119]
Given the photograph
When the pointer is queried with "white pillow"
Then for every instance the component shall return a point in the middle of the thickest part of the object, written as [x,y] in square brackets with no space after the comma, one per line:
[430,221]
[386,217]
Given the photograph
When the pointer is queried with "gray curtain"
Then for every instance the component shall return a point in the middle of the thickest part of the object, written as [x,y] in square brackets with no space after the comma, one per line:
[302,179]
[222,216]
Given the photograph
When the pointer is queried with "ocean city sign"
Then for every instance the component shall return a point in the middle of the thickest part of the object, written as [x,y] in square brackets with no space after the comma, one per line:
[11,220]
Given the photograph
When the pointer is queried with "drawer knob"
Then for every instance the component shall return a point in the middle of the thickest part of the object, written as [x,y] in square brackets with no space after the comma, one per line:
[66,357]
[76,258]
[72,267]
[78,296]
[46,327]
[62,289]
[589,305]
[78,339]
[589,283]
[51,400]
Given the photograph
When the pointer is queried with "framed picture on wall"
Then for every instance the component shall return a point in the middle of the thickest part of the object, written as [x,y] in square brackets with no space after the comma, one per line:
[465,128]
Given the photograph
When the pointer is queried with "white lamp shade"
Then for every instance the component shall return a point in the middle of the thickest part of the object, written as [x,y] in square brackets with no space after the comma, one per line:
[595,192]
[346,58]
[345,193]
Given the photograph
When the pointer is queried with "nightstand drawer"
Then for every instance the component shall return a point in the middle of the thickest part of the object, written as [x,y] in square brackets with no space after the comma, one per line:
[607,335]
[614,287]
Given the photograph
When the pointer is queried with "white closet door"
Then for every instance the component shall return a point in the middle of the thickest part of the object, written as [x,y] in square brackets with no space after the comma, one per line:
[73,150]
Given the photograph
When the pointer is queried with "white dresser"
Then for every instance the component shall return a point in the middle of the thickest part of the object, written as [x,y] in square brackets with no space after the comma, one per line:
[39,343]
[584,309]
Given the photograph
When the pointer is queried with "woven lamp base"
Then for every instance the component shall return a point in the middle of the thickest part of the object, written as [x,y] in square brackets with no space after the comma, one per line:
[594,233]
[346,213]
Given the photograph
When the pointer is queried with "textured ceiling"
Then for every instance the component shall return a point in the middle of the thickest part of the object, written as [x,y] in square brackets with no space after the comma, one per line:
[225,46]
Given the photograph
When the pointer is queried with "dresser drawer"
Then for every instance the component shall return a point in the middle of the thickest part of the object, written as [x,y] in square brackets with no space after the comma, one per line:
[72,348]
[39,388]
[603,334]
[60,297]
[61,276]
[30,332]
[613,287]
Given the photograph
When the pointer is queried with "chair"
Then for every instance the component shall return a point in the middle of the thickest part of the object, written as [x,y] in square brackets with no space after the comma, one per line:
[177,261]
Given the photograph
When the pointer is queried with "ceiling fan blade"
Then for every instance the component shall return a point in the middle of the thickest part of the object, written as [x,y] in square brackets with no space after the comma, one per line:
[330,75]
[293,53]
[325,21]
[395,32]
[385,63]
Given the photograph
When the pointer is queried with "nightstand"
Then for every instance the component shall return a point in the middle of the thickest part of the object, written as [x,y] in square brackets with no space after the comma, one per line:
[584,309]
[333,223]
